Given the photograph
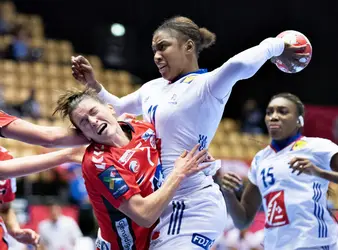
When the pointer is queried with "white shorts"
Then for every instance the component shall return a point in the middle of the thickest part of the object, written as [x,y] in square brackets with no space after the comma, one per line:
[192,221]
[330,247]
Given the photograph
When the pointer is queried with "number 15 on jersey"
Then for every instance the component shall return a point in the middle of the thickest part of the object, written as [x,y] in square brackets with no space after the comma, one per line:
[268,177]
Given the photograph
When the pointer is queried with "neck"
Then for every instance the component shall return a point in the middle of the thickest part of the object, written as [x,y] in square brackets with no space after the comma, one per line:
[192,67]
[280,144]
[120,139]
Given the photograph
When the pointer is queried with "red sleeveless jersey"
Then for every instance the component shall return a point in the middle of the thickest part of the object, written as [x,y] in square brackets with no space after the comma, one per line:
[113,175]
[6,119]
[7,194]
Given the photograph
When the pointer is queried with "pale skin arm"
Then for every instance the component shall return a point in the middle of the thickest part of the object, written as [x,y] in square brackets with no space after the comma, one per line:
[26,236]
[242,212]
[37,163]
[146,210]
[50,137]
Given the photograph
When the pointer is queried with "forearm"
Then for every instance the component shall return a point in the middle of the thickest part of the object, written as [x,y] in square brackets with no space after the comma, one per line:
[32,164]
[154,204]
[242,66]
[10,220]
[127,104]
[329,175]
[22,130]
[237,211]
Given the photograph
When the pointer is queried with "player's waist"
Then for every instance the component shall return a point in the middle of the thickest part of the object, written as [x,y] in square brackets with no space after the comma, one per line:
[193,186]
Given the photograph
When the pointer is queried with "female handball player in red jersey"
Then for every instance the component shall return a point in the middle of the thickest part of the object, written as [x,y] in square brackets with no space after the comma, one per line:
[121,168]
[123,172]
[186,105]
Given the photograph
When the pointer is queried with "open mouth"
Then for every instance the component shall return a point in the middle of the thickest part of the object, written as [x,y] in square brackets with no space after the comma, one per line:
[102,127]
[162,68]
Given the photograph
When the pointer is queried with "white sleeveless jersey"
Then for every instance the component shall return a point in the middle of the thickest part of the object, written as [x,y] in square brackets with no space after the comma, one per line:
[295,206]
[188,110]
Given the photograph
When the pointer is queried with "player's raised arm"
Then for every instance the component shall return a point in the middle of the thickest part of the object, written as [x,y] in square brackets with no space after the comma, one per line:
[245,64]
[83,72]
[36,163]
[242,212]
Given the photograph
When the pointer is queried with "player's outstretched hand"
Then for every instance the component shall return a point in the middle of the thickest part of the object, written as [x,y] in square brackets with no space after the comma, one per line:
[292,56]
[83,72]
[231,183]
[189,162]
[26,236]
[303,165]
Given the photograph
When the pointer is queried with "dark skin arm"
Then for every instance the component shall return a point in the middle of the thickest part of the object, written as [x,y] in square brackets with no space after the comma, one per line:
[302,165]
[242,212]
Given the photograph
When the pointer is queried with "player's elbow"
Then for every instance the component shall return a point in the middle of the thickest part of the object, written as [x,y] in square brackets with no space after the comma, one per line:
[145,221]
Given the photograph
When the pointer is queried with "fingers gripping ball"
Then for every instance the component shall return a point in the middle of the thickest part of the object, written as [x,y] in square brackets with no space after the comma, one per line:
[295,39]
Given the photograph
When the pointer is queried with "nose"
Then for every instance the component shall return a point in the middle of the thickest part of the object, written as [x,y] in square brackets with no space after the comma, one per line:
[93,121]
[274,116]
[158,57]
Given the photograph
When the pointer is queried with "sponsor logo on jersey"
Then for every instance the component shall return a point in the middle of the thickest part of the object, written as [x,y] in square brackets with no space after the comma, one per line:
[299,145]
[148,134]
[102,244]
[202,241]
[134,166]
[126,156]
[123,230]
[276,210]
[173,99]
[189,79]
[158,178]
[112,179]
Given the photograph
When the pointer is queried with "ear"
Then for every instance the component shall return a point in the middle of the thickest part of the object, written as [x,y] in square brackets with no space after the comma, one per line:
[190,46]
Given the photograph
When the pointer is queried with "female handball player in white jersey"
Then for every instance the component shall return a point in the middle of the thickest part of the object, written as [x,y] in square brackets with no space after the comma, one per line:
[291,178]
[186,106]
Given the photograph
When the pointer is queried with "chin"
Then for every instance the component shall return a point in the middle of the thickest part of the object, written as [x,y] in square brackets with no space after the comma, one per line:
[276,136]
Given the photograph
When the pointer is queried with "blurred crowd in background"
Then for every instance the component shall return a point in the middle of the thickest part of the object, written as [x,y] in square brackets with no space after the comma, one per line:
[55,202]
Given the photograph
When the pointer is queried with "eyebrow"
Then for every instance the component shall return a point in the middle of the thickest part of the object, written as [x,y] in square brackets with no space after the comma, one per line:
[158,43]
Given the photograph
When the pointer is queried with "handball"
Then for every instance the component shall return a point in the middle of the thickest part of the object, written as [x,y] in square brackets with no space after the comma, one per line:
[297,39]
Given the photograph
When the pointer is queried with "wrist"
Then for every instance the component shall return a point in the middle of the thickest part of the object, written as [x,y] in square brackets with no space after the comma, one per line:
[321,173]
[66,155]
[95,85]
[14,231]
[176,177]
